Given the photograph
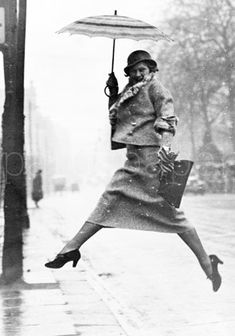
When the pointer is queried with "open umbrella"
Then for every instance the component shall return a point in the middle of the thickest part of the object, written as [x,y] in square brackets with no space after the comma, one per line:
[115,27]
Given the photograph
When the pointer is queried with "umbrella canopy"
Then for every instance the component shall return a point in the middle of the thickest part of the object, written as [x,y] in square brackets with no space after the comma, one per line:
[115,27]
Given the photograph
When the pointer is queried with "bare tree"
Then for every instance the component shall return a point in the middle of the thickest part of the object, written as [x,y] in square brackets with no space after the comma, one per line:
[198,66]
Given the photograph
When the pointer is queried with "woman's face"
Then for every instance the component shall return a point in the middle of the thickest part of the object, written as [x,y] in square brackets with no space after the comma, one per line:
[138,72]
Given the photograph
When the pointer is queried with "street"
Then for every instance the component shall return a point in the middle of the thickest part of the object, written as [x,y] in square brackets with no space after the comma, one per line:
[154,275]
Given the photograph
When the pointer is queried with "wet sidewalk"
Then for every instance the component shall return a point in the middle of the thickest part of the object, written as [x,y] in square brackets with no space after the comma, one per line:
[52,303]
[118,288]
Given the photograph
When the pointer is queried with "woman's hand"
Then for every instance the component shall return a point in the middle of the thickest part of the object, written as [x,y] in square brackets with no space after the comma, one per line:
[112,81]
[166,160]
[112,85]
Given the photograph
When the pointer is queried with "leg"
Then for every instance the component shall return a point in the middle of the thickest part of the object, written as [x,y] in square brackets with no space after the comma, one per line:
[210,263]
[86,232]
[70,252]
[193,241]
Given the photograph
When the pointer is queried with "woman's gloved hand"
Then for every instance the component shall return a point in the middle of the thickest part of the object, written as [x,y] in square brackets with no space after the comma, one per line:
[112,84]
[112,81]
[166,160]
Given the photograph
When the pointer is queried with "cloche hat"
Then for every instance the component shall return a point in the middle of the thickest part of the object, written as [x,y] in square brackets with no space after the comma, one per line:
[138,56]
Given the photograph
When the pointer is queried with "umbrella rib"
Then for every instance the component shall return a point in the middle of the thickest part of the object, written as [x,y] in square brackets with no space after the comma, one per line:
[117,25]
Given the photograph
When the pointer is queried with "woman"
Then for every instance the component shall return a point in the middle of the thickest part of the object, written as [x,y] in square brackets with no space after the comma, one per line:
[143,121]
[37,193]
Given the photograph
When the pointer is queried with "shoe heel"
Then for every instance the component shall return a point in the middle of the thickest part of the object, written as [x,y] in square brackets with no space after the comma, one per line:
[220,261]
[75,261]
[215,260]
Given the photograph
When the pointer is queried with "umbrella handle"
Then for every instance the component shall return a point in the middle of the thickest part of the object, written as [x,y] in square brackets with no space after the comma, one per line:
[105,91]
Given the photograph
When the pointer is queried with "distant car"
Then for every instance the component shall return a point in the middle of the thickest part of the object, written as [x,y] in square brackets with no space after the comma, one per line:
[195,186]
[59,183]
[74,186]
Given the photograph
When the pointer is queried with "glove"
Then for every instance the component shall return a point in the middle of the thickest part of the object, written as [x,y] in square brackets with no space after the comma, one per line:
[112,81]
[112,84]
[166,160]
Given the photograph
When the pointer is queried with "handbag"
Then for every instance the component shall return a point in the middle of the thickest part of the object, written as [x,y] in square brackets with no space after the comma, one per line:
[173,184]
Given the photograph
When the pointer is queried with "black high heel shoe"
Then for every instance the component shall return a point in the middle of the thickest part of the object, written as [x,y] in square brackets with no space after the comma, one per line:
[62,258]
[215,276]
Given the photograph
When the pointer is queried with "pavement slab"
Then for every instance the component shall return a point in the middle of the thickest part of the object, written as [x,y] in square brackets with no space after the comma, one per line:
[34,312]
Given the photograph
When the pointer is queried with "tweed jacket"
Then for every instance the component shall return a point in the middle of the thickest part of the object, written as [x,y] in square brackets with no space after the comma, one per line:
[142,118]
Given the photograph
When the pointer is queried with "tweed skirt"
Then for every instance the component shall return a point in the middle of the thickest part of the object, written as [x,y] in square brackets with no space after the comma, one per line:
[131,199]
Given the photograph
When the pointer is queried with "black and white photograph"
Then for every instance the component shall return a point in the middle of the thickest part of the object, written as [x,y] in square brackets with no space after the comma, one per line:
[117,168]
